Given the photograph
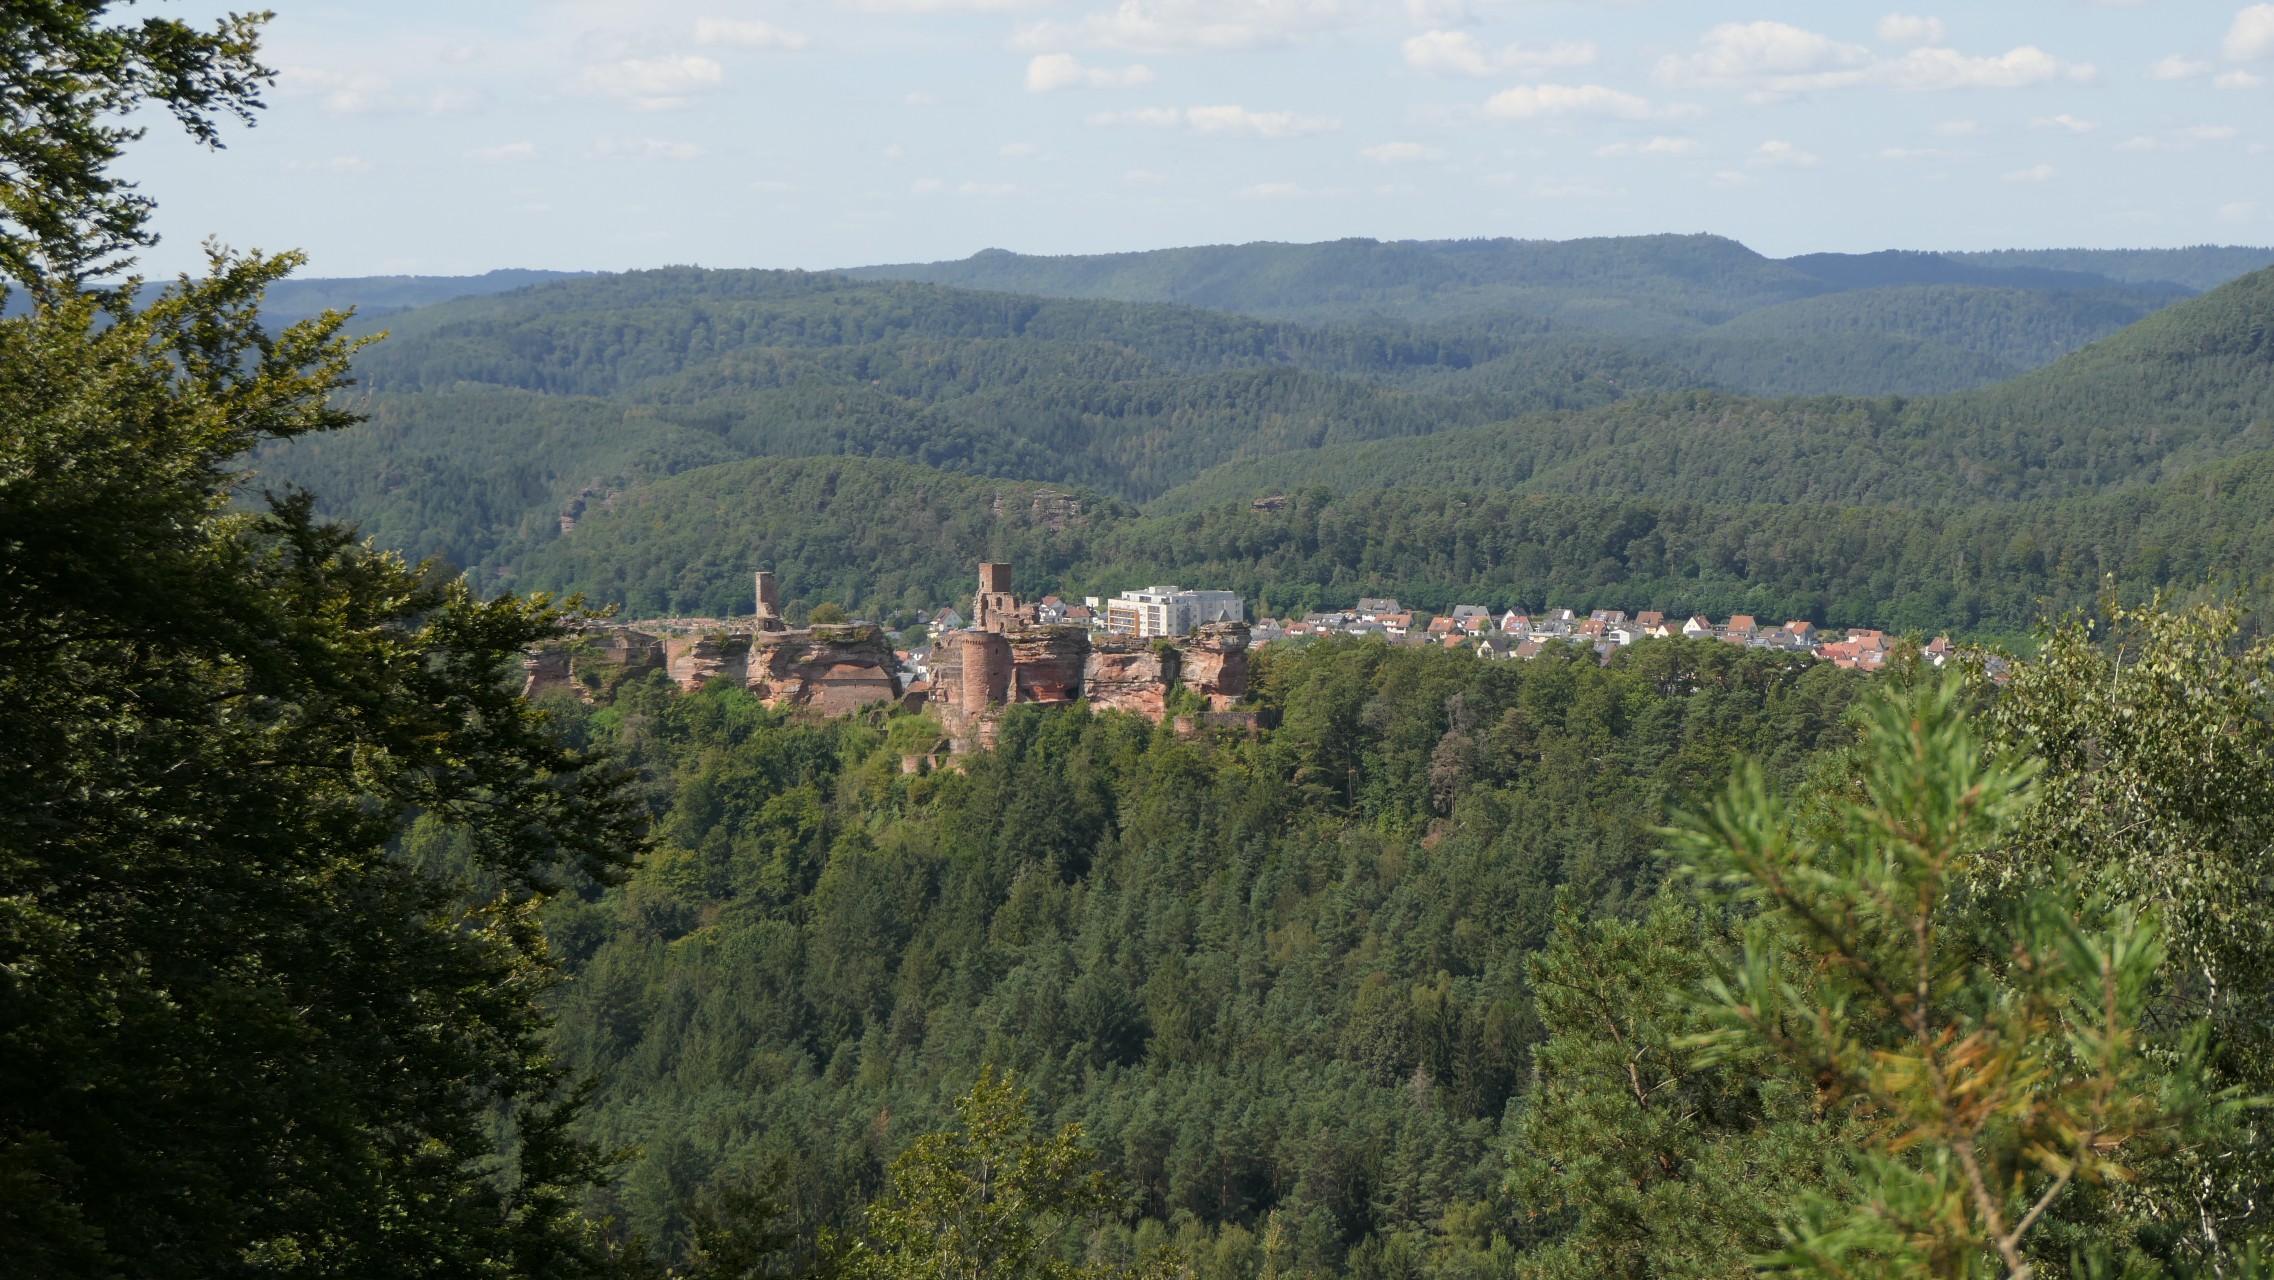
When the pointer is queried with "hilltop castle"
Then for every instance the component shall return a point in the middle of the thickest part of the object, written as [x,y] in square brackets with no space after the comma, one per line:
[1007,656]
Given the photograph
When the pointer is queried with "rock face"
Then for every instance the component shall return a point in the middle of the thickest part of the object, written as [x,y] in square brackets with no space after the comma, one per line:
[1133,675]
[1216,664]
[830,670]
[588,659]
[694,661]
[1048,664]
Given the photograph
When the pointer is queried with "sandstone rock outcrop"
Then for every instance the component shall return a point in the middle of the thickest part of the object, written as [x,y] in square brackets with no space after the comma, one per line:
[828,670]
[833,670]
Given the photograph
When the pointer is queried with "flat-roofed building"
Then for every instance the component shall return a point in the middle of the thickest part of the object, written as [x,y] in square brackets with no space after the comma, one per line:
[1170,611]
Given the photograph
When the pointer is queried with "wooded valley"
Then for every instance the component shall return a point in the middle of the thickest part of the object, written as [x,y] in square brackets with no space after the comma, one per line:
[334,942]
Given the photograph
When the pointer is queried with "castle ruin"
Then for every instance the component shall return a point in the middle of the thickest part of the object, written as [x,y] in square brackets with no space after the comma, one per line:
[831,670]
[1006,657]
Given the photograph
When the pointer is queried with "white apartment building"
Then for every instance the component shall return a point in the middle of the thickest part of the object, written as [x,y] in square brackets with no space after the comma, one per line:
[1170,611]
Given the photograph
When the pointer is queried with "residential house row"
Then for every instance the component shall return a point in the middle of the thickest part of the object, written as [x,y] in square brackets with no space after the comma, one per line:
[1515,633]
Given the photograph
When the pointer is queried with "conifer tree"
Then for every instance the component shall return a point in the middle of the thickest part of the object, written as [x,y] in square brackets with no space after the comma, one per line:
[1991,1053]
[243,1032]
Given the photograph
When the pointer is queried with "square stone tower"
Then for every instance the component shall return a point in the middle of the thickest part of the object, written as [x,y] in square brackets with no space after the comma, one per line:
[995,608]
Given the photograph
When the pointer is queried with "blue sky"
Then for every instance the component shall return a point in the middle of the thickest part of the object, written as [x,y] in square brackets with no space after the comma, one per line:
[416,136]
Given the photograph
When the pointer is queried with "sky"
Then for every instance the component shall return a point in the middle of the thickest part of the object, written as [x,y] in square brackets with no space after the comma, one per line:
[420,137]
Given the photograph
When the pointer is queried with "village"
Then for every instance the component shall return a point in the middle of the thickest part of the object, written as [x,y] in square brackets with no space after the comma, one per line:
[1493,634]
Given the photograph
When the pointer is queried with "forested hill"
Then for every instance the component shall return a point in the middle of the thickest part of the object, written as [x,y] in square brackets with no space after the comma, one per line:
[2189,385]
[493,418]
[1637,285]
[375,296]
[2202,266]
[886,539]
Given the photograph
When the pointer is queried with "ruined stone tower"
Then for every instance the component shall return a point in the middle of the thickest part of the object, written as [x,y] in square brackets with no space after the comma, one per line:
[995,608]
[769,603]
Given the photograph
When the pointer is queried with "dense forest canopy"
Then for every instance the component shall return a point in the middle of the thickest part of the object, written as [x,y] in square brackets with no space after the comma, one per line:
[497,423]
[325,950]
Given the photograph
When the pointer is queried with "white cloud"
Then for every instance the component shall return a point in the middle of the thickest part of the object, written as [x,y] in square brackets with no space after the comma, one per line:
[744,34]
[504,151]
[2176,66]
[1052,71]
[1230,120]
[2034,173]
[1909,153]
[655,84]
[647,149]
[2237,79]
[1654,147]
[1143,178]
[1459,53]
[1778,154]
[1192,26]
[1774,55]
[1401,153]
[2207,132]
[1949,69]
[926,186]
[1018,149]
[987,190]
[2252,35]
[2065,123]
[1958,128]
[1548,101]
[1771,59]
[2237,211]
[1910,30]
[1270,191]
[914,98]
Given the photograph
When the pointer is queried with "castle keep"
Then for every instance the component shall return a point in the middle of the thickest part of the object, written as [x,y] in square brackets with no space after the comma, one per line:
[1004,658]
